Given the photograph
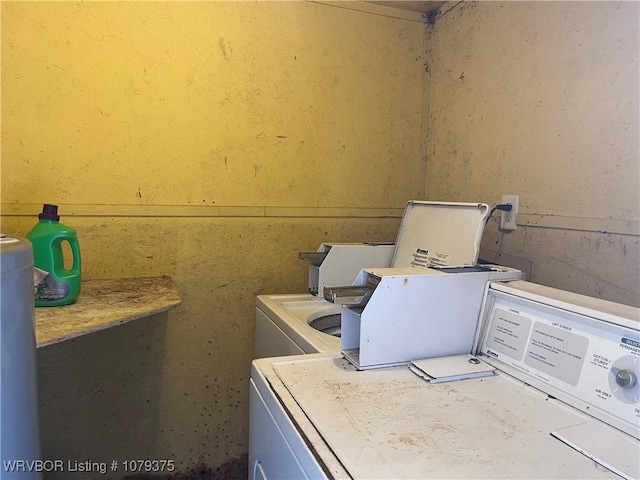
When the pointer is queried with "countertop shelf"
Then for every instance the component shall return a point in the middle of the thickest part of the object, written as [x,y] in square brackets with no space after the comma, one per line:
[103,304]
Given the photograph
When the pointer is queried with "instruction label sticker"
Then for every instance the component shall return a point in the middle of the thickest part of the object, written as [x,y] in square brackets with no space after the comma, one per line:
[557,351]
[424,258]
[509,333]
[436,259]
[420,258]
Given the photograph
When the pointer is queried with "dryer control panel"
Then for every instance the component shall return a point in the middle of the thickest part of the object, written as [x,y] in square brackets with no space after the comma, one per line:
[572,348]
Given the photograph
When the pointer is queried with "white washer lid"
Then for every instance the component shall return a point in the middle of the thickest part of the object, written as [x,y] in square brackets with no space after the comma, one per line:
[440,234]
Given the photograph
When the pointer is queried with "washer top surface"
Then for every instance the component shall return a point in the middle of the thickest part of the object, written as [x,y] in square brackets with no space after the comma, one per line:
[294,313]
[388,423]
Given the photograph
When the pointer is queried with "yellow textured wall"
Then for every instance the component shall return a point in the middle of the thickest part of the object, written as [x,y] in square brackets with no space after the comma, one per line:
[540,99]
[232,103]
[209,141]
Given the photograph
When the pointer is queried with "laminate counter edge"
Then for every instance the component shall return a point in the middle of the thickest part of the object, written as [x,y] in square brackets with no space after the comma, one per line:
[105,303]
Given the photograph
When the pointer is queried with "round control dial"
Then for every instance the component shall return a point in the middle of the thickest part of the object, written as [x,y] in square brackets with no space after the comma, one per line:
[626,378]
[623,379]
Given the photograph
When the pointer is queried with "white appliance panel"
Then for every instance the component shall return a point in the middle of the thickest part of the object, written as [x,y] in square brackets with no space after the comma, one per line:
[271,340]
[439,234]
[574,356]
[416,313]
[280,446]
[282,325]
[280,434]
[343,262]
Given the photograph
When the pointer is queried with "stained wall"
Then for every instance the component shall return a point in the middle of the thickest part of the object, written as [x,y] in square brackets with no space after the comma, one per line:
[209,141]
[540,99]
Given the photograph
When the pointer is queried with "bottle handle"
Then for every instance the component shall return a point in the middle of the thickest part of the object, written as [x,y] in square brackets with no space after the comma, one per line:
[75,253]
[75,250]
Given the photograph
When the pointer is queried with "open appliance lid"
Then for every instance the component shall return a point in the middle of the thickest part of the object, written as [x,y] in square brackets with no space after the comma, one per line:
[440,234]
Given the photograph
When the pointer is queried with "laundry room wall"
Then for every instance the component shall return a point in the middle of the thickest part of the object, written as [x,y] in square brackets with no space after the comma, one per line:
[540,99]
[209,141]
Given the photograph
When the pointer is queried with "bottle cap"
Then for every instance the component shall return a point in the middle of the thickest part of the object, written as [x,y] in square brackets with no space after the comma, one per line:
[49,212]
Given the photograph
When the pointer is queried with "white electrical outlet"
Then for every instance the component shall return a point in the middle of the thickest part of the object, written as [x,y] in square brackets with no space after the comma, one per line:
[508,219]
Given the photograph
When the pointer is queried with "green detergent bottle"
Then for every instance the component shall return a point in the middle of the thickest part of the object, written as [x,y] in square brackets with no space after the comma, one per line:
[56,285]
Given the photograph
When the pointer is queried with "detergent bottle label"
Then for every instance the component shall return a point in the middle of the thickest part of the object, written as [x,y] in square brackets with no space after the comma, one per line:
[47,288]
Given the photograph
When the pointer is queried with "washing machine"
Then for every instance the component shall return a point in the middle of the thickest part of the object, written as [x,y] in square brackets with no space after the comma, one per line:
[549,390]
[431,234]
[295,324]
[292,324]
